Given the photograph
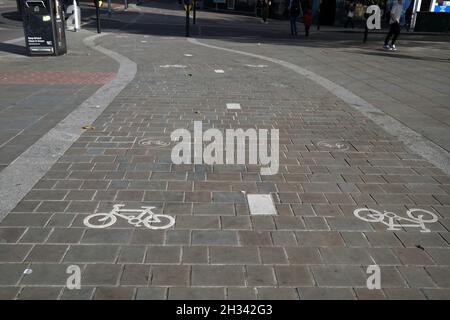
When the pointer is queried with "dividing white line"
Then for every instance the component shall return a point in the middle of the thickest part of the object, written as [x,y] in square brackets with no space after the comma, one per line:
[17,40]
[413,140]
[261,204]
[219,71]
[17,179]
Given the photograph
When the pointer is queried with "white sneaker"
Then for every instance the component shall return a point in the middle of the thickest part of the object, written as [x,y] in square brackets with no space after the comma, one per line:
[387,47]
[393,47]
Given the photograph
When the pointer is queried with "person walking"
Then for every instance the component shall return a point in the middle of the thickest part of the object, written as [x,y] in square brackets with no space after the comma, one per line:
[294,11]
[307,20]
[394,26]
[265,6]
[408,16]
[350,15]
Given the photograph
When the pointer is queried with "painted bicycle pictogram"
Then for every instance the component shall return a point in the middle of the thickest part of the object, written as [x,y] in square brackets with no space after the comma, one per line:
[135,217]
[416,218]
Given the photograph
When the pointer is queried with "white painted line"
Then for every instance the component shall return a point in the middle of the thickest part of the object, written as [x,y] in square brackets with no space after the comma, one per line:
[233,106]
[261,204]
[188,55]
[412,139]
[143,41]
[256,65]
[219,71]
[17,179]
[172,66]
[17,40]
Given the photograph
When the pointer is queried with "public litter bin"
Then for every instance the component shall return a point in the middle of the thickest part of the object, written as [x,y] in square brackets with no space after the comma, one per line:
[43,24]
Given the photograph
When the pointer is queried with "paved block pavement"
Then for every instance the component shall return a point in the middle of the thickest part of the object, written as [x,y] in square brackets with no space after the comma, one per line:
[314,248]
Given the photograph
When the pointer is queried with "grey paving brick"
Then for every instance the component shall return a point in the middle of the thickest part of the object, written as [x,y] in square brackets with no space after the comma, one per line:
[234,197]
[179,237]
[181,293]
[131,254]
[46,253]
[367,294]
[339,276]
[10,235]
[39,293]
[303,255]
[412,239]
[9,293]
[412,256]
[348,224]
[213,209]
[197,222]
[404,294]
[107,236]
[254,238]
[77,294]
[347,256]
[216,237]
[46,274]
[273,255]
[149,237]
[101,274]
[277,294]
[437,294]
[235,223]
[113,293]
[233,255]
[383,239]
[194,255]
[260,276]
[170,275]
[391,278]
[163,254]
[319,239]
[35,235]
[283,238]
[13,252]
[440,275]
[151,294]
[440,255]
[10,273]
[355,239]
[135,274]
[89,253]
[241,293]
[417,277]
[203,275]
[65,235]
[291,276]
[326,294]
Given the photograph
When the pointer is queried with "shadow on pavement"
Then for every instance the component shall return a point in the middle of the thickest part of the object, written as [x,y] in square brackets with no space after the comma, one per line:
[13,48]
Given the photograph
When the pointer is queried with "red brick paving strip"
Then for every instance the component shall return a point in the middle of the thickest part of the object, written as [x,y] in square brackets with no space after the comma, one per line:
[55,77]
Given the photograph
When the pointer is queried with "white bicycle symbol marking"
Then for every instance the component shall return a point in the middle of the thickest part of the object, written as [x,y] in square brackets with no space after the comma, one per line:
[151,221]
[153,143]
[417,218]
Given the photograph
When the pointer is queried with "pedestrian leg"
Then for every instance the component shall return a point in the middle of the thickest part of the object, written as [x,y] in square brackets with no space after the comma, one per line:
[389,35]
[396,32]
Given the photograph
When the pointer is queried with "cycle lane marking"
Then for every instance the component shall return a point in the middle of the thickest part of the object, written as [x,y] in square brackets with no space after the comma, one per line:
[412,139]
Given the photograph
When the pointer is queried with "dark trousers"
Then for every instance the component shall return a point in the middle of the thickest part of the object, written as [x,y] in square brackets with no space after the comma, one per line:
[293,21]
[265,13]
[394,31]
[349,20]
[307,30]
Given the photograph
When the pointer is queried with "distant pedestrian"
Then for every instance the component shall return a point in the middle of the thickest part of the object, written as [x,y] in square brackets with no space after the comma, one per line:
[350,15]
[394,26]
[408,16]
[307,20]
[319,14]
[265,7]
[294,11]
